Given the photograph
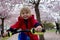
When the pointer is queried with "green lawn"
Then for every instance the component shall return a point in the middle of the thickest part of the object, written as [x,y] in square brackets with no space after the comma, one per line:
[53,30]
[5,38]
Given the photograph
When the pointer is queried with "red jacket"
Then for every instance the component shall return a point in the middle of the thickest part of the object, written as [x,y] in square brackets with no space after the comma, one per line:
[31,22]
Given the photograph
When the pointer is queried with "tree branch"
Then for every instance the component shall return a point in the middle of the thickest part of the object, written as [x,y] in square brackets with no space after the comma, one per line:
[32,2]
[38,2]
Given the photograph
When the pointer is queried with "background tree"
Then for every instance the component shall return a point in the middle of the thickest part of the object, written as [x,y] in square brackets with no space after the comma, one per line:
[3,16]
[36,7]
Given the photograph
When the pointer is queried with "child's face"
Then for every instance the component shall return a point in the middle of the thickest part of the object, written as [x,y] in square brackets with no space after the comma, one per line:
[25,14]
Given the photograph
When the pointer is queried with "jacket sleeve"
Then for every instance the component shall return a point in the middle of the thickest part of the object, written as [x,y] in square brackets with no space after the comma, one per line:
[36,24]
[15,26]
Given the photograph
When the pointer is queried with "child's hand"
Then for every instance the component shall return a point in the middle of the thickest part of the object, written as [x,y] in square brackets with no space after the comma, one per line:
[5,34]
[39,28]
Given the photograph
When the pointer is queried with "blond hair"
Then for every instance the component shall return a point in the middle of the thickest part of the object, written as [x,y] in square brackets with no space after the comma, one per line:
[25,9]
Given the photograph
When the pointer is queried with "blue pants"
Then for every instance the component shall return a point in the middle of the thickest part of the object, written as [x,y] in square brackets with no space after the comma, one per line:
[23,36]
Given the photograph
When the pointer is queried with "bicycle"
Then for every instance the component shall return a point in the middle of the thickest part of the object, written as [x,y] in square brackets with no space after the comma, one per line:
[26,37]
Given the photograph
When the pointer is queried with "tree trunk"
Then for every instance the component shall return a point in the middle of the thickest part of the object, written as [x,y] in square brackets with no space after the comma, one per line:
[37,13]
[38,18]
[2,26]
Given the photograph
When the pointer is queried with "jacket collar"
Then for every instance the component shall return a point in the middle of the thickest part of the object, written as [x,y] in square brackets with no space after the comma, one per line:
[20,18]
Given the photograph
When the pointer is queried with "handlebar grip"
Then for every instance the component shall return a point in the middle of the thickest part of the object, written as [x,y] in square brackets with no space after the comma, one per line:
[35,32]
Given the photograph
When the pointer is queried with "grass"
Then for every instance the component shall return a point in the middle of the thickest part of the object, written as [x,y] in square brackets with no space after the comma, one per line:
[52,30]
[5,38]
